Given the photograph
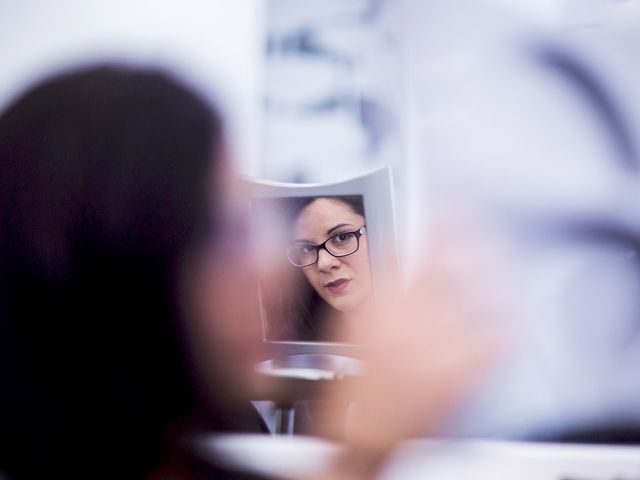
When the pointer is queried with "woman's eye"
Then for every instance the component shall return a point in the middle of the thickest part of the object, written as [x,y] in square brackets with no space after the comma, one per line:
[341,238]
[306,249]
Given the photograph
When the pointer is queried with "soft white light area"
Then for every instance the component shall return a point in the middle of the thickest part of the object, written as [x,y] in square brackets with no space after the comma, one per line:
[218,45]
[273,456]
[547,12]
[557,13]
[507,125]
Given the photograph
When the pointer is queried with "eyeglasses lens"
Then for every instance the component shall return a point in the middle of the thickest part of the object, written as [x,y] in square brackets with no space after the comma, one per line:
[339,245]
[342,244]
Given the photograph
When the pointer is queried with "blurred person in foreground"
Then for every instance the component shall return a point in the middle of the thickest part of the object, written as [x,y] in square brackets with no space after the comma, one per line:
[128,307]
[110,213]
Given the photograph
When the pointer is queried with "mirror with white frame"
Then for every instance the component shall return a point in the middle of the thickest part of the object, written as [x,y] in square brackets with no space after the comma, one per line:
[332,242]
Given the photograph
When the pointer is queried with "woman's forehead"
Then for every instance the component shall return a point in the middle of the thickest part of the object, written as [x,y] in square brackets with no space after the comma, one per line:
[323,214]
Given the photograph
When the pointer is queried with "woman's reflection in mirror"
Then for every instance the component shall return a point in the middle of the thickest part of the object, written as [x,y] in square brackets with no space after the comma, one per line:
[329,247]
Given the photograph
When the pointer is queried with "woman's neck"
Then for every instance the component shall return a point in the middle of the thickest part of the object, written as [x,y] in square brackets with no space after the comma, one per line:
[352,324]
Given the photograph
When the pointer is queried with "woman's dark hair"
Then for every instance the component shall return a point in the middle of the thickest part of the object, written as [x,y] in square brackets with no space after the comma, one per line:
[303,314]
[104,177]
[294,206]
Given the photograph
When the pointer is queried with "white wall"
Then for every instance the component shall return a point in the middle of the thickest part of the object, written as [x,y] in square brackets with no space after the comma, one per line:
[217,44]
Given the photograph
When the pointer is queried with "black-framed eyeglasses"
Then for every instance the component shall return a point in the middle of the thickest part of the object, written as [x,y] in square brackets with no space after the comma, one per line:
[339,245]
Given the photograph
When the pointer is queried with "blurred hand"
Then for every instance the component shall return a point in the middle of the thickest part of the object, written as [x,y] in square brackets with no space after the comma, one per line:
[428,346]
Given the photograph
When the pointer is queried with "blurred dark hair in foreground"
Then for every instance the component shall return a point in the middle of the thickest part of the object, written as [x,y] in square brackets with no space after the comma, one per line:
[105,180]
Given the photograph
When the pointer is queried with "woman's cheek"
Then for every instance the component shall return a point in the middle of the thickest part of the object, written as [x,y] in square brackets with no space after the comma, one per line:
[309,274]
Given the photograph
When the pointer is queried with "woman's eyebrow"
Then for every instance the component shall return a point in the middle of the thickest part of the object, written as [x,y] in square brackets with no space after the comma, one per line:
[338,226]
[332,229]
[302,240]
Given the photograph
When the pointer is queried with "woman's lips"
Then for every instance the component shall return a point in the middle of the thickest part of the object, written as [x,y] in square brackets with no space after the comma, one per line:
[337,286]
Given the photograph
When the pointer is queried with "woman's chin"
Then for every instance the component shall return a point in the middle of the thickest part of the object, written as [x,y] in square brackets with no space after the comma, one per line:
[344,307]
[338,306]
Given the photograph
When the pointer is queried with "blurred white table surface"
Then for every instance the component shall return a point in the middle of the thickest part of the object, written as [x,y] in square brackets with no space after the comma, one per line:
[294,456]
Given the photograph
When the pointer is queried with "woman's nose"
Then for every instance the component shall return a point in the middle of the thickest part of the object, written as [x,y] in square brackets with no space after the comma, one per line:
[326,261]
